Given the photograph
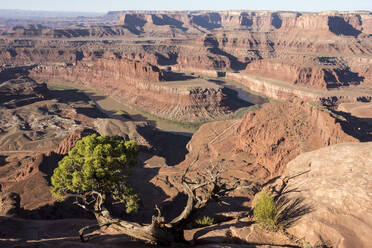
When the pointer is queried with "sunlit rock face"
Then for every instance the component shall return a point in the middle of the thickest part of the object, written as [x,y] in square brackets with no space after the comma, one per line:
[335,184]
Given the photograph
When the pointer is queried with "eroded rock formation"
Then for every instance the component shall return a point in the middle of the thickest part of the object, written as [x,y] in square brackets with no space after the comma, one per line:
[259,146]
[279,132]
[9,204]
[138,84]
[312,50]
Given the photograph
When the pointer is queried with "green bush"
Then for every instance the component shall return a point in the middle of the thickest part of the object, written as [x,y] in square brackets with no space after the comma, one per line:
[98,164]
[266,210]
[205,221]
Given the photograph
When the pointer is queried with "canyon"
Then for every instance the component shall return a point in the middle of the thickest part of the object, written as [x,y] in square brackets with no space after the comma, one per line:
[264,94]
[248,47]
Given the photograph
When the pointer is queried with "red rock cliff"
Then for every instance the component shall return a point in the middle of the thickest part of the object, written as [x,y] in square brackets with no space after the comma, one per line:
[138,83]
[279,132]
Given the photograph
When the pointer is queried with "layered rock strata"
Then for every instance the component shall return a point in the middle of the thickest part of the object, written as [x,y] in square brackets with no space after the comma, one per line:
[138,84]
[258,147]
[289,53]
[278,133]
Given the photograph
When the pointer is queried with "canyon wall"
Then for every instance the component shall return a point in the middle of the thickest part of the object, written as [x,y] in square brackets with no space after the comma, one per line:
[278,133]
[197,22]
[280,54]
[281,91]
[258,147]
[308,75]
[139,85]
[344,23]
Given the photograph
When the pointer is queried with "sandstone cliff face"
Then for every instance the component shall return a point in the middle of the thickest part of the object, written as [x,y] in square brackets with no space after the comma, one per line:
[259,146]
[336,185]
[68,32]
[282,91]
[313,50]
[326,23]
[339,23]
[124,70]
[279,132]
[311,76]
[68,143]
[137,83]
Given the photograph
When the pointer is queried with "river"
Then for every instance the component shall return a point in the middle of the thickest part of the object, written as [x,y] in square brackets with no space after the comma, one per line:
[110,106]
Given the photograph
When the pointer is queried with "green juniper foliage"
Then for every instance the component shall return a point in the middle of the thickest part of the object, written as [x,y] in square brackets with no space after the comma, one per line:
[98,164]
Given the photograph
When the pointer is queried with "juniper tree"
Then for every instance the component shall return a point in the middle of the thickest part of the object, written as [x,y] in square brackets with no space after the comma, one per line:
[96,168]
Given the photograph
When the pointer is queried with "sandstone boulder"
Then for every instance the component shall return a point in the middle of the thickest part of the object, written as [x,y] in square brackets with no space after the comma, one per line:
[336,184]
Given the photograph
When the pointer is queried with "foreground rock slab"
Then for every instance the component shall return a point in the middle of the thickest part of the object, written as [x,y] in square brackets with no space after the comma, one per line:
[336,184]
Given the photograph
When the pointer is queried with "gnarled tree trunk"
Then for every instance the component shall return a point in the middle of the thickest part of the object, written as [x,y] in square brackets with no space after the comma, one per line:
[201,191]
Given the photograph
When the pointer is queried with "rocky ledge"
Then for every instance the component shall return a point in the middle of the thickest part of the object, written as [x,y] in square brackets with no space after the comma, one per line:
[335,184]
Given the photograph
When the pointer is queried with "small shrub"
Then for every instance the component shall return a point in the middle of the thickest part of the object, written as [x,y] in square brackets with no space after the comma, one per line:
[205,221]
[266,210]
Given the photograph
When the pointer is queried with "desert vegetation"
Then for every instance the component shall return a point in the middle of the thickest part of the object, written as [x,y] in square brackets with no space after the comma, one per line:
[94,171]
[204,221]
[266,210]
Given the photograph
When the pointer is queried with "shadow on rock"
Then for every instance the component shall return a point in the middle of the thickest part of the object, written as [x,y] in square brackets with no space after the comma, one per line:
[231,239]
[212,44]
[149,194]
[169,59]
[339,26]
[174,76]
[168,145]
[16,232]
[48,164]
[167,20]
[55,211]
[2,161]
[14,72]
[360,128]
[345,77]
[75,96]
[291,210]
